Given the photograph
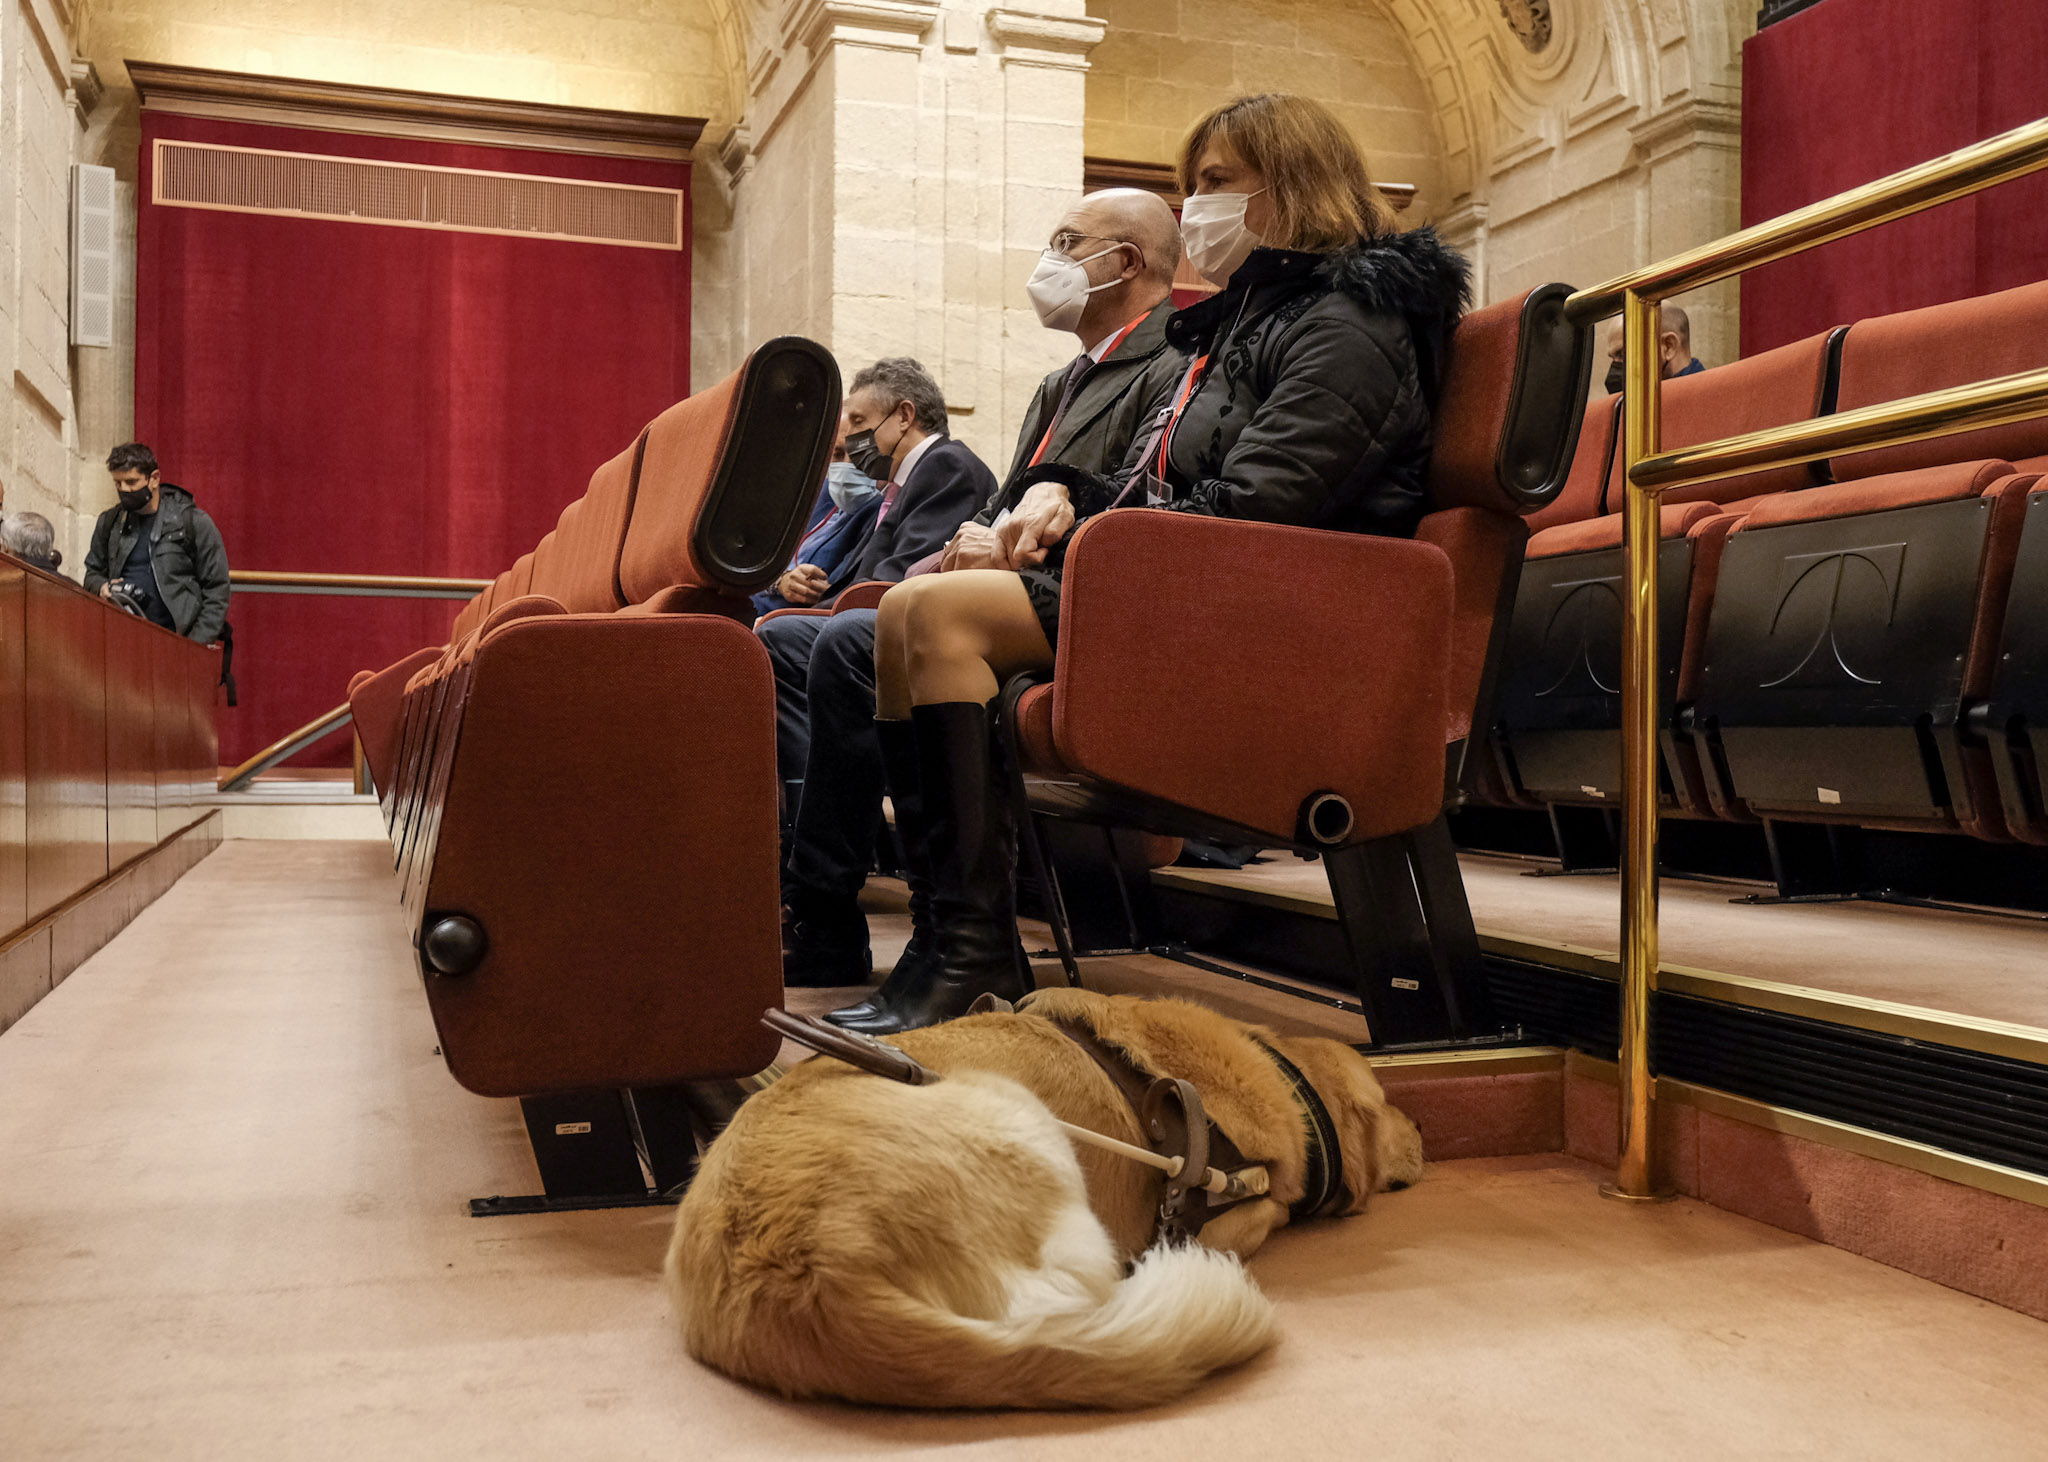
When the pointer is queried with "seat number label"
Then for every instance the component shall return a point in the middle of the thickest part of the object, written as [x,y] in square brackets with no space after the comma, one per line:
[1399,984]
[1828,794]
[571,1129]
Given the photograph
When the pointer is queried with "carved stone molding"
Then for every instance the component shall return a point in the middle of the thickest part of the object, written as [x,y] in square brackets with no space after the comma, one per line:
[890,25]
[194,91]
[736,153]
[1693,123]
[1058,41]
[86,88]
[1160,178]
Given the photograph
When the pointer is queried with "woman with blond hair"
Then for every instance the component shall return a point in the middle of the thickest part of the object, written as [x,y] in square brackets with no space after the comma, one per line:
[1306,400]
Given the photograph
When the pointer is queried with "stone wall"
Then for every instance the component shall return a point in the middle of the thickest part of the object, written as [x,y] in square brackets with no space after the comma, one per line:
[40,134]
[898,169]
[1166,62]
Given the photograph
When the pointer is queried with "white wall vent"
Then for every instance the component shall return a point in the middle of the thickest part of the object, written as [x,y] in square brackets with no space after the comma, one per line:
[92,255]
[410,195]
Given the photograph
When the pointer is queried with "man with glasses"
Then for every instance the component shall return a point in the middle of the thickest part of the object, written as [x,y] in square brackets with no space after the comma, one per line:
[1105,277]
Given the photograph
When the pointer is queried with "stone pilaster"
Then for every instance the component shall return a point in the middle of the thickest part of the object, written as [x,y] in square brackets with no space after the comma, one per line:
[907,158]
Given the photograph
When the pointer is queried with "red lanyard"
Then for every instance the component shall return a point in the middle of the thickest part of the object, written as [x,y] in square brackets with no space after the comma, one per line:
[1187,389]
[1109,350]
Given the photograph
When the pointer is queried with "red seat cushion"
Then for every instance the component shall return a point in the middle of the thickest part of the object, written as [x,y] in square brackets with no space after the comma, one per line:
[1945,345]
[1776,388]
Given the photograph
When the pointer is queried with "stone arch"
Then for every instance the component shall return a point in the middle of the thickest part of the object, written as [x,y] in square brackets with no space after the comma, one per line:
[1163,62]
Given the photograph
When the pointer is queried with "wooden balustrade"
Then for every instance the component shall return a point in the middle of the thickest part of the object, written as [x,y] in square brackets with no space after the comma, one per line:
[107,743]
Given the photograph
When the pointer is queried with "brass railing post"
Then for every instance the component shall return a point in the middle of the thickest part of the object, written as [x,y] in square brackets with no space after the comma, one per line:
[1649,472]
[1635,1175]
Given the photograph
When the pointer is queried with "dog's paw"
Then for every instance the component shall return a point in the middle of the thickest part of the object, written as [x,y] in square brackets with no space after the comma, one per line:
[1400,1151]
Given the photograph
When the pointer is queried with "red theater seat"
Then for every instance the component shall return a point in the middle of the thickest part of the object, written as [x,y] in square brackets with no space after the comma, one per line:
[1302,689]
[1559,729]
[586,801]
[1852,642]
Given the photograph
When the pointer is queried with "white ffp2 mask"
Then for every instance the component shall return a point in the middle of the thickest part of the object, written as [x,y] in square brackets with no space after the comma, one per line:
[1059,288]
[1213,234]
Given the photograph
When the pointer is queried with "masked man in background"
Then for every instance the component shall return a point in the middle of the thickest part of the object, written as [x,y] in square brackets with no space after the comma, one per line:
[1106,278]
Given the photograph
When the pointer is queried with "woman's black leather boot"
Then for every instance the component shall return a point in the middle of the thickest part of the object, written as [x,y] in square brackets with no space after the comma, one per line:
[918,965]
[971,840]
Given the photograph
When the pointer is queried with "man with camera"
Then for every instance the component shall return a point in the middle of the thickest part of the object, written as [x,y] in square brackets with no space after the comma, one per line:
[158,554]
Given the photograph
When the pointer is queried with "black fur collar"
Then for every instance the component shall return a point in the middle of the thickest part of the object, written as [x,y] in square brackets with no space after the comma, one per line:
[1415,275]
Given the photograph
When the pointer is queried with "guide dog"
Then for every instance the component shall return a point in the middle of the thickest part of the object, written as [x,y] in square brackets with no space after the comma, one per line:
[948,1245]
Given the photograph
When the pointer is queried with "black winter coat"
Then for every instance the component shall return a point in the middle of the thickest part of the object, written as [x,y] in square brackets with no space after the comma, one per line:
[1314,408]
[185,553]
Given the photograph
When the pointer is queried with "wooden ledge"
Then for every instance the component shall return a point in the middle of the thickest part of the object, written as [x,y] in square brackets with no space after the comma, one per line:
[431,116]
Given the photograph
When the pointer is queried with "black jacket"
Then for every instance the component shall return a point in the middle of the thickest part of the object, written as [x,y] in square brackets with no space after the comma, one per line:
[186,553]
[1314,408]
[946,487]
[1115,402]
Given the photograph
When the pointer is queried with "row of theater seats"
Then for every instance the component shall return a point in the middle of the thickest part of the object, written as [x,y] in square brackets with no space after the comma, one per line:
[1861,641]
[580,785]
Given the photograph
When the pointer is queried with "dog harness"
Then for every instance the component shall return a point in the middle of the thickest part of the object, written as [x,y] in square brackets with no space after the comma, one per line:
[1323,1176]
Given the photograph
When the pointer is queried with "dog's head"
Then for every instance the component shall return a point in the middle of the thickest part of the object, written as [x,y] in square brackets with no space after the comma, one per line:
[1382,1149]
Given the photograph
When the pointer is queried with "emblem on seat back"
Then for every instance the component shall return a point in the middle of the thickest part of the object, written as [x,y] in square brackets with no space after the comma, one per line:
[1587,620]
[1822,597]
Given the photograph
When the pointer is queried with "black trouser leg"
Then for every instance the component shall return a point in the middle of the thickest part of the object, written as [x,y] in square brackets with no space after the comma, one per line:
[918,966]
[831,844]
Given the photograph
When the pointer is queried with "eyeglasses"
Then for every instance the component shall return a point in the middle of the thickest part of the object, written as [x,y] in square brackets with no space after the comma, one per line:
[1066,241]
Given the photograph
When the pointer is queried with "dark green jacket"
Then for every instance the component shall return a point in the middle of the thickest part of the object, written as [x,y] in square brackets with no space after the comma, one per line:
[1114,405]
[185,550]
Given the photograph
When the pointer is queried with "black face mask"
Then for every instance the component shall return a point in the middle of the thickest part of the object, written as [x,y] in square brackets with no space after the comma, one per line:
[865,453]
[1614,382]
[134,501]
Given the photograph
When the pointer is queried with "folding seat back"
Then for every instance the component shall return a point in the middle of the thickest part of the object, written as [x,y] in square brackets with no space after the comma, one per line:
[704,535]
[598,903]
[577,564]
[1585,486]
[1857,623]
[1559,730]
[519,578]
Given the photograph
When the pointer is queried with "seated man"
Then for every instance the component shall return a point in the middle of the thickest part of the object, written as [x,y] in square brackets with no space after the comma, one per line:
[894,428]
[30,538]
[1105,278]
[160,548]
[825,558]
[1674,348]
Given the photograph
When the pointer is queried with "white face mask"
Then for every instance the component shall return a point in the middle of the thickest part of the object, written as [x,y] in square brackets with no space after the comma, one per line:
[1212,232]
[1059,288]
[848,485]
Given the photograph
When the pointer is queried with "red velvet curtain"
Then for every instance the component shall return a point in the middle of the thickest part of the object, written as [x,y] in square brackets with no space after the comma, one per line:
[348,397]
[1850,90]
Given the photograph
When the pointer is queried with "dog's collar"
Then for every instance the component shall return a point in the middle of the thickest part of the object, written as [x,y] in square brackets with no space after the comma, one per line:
[1322,1181]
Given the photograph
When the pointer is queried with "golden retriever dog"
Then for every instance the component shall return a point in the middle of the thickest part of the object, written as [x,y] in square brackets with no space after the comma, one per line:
[950,1245]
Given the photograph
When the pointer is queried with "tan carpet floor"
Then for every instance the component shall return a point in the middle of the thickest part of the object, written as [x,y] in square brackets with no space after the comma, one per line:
[1988,966]
[232,1175]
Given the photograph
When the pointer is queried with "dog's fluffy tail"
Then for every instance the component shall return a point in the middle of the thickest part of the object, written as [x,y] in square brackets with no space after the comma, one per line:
[1182,1313]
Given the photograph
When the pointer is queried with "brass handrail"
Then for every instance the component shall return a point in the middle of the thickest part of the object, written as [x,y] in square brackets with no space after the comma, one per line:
[287,746]
[1651,471]
[397,586]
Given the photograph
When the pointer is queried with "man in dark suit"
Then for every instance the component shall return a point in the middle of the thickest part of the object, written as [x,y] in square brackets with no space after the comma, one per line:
[894,423]
[826,555]
[1117,251]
